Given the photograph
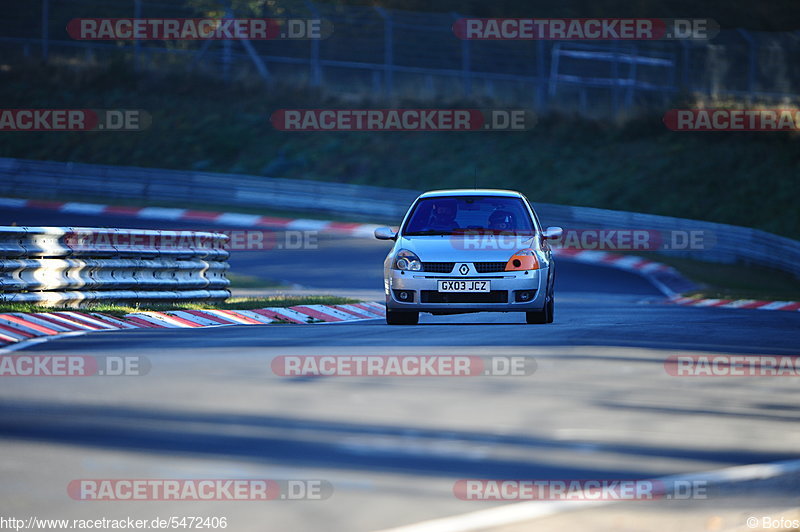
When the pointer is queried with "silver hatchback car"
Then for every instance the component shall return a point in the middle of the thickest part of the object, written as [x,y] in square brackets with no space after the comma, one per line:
[461,251]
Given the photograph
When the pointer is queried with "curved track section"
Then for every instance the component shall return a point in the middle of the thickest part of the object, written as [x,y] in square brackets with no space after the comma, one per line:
[600,405]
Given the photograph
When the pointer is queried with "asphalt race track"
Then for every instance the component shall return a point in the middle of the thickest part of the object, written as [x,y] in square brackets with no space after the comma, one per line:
[599,406]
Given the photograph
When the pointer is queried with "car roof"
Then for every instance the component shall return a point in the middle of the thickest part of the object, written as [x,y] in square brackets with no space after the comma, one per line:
[471,192]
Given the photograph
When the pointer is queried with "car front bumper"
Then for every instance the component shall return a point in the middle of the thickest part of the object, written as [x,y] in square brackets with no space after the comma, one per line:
[425,286]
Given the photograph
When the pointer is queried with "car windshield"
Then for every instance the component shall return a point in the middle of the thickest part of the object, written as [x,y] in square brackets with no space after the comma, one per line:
[453,215]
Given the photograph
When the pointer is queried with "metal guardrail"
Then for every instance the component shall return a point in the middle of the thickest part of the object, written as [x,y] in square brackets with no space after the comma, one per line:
[53,179]
[721,243]
[40,179]
[72,266]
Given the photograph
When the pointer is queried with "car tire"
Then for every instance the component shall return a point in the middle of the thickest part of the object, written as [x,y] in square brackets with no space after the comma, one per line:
[536,317]
[541,316]
[551,303]
[400,317]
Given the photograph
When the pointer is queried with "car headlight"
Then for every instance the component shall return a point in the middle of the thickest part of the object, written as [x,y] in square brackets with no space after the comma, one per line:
[524,259]
[407,261]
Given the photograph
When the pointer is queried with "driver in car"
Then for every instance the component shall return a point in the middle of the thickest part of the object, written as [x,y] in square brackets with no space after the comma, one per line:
[443,217]
[501,220]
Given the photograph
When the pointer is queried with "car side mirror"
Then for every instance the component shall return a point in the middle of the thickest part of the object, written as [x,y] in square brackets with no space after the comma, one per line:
[385,233]
[552,233]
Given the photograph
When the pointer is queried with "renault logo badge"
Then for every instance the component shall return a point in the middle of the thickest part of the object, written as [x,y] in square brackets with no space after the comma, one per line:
[464,269]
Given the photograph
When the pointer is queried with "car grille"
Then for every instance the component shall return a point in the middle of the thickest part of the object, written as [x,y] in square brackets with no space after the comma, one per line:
[495,296]
[490,267]
[438,267]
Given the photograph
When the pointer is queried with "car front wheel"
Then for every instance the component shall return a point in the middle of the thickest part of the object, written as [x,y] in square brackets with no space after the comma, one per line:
[542,316]
[551,309]
[399,317]
[536,317]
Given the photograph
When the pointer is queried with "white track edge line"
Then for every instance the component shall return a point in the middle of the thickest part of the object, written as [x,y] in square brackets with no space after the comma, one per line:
[523,511]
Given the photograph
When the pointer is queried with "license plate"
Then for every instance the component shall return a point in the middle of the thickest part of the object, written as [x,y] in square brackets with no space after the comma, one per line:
[464,286]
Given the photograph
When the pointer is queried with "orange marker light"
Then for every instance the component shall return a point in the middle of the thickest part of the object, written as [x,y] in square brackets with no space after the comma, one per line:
[524,259]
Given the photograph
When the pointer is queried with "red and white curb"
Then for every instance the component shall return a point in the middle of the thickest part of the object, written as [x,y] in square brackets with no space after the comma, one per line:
[624,262]
[738,303]
[187,215]
[669,280]
[18,329]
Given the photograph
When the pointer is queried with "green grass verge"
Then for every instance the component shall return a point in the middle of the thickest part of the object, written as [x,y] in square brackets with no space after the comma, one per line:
[249,281]
[243,303]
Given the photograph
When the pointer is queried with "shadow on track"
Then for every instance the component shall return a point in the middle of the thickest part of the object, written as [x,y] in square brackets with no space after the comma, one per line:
[321,443]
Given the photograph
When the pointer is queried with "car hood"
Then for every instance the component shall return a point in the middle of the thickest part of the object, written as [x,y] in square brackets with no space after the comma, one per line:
[485,248]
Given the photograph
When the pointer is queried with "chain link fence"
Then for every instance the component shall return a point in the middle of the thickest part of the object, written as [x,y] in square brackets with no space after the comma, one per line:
[375,52]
